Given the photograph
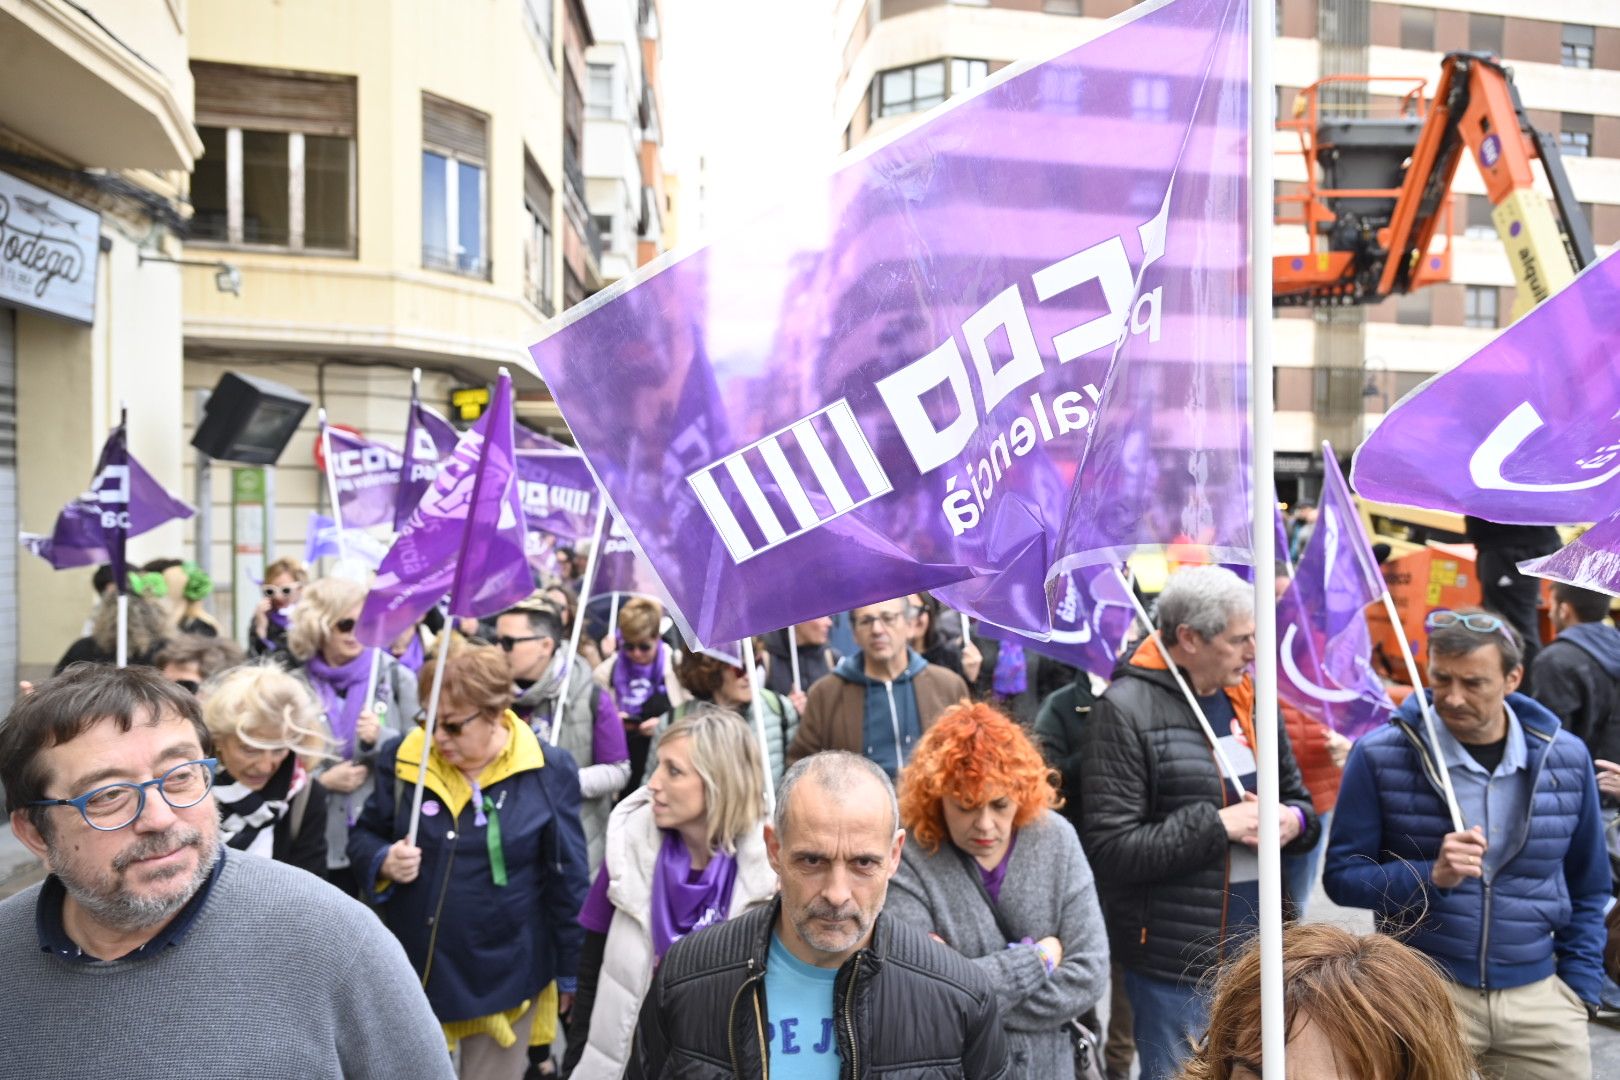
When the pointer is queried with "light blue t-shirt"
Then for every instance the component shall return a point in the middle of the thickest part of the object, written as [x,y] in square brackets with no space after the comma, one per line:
[799,997]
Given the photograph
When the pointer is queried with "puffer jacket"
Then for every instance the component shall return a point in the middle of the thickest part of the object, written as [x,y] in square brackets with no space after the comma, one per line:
[908,1008]
[1151,793]
[1541,913]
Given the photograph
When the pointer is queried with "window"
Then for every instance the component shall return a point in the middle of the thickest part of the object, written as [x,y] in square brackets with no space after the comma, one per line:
[1479,307]
[1477,223]
[1415,309]
[604,226]
[1150,98]
[277,169]
[1417,28]
[454,152]
[1577,46]
[964,73]
[538,251]
[1485,33]
[1575,135]
[599,92]
[911,89]
[1062,7]
[537,16]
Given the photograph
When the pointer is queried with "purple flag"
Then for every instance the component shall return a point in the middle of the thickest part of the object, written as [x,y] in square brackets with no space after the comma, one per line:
[123,501]
[365,475]
[1092,615]
[465,538]
[893,392]
[524,438]
[1590,561]
[1527,430]
[559,493]
[429,440]
[1325,649]
[621,569]
[321,541]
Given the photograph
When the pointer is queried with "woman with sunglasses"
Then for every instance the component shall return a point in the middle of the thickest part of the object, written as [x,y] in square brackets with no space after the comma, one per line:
[283,580]
[684,852]
[641,676]
[268,735]
[323,651]
[486,902]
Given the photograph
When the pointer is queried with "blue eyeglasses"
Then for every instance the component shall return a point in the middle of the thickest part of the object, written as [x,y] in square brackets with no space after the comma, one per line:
[1477,621]
[116,806]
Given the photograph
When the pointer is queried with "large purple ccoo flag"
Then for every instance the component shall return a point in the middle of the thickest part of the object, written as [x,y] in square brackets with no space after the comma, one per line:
[429,440]
[465,538]
[1092,615]
[888,385]
[559,498]
[1526,430]
[123,501]
[365,474]
[1324,647]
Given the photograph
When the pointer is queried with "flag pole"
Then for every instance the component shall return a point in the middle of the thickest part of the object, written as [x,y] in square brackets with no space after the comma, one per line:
[745,650]
[441,662]
[1428,712]
[408,458]
[579,611]
[331,487]
[793,655]
[1186,691]
[1262,99]
[122,648]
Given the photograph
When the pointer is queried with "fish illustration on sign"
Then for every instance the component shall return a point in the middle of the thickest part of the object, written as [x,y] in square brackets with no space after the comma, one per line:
[40,210]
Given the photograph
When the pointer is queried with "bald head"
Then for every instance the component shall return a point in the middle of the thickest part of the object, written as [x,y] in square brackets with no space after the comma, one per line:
[837,776]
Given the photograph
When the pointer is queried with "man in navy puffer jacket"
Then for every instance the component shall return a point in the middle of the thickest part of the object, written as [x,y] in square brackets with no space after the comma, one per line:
[1511,908]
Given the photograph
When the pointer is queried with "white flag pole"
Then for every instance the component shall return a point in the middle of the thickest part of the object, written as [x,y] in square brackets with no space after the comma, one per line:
[441,661]
[123,629]
[597,540]
[1428,713]
[793,656]
[1186,691]
[331,487]
[1262,125]
[746,654]
[121,650]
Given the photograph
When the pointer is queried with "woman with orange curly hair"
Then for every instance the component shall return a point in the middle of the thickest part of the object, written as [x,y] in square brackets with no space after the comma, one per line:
[993,871]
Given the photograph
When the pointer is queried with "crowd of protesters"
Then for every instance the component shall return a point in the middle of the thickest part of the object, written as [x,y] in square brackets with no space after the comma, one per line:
[871,844]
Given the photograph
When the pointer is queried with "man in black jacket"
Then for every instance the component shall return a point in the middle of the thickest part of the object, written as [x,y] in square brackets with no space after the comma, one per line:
[820,978]
[1169,837]
[1577,675]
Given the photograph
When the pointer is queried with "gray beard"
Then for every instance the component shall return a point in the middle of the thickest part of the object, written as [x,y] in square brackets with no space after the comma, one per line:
[107,901]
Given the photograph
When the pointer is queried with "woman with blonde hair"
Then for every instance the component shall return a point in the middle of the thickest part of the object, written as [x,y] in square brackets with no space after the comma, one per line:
[1355,1008]
[684,852]
[268,734]
[325,654]
[992,869]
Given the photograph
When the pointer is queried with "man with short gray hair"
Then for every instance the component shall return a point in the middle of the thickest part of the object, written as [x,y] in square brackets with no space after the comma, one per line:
[1170,838]
[819,984]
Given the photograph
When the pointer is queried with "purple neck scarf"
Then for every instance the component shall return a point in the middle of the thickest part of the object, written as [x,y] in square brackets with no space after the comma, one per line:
[342,692]
[681,905]
[413,657]
[634,683]
[993,878]
[279,617]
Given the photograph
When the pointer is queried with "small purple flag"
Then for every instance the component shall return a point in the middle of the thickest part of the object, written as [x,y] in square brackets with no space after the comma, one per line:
[525,438]
[621,569]
[559,493]
[1093,614]
[1590,561]
[365,475]
[321,541]
[1526,431]
[898,391]
[466,537]
[1325,649]
[429,440]
[123,501]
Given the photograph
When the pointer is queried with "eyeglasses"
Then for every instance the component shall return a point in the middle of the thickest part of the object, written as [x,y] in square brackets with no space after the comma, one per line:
[1477,621]
[640,646]
[273,591]
[887,618]
[345,626]
[116,806]
[507,642]
[452,728]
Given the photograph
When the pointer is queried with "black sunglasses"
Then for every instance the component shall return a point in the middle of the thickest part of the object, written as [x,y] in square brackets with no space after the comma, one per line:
[640,646]
[452,728]
[345,626]
[508,642]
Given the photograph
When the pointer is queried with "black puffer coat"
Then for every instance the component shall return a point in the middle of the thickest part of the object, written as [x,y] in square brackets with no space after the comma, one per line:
[1151,793]
[908,1008]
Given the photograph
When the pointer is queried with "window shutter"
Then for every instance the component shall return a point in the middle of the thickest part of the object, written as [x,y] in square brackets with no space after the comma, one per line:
[454,129]
[261,99]
[536,192]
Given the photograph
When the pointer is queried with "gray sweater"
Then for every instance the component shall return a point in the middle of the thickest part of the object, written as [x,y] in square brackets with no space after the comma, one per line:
[280,977]
[1048,891]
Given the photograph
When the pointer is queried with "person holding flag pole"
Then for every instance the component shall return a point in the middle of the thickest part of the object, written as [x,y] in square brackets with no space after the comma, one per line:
[585,585]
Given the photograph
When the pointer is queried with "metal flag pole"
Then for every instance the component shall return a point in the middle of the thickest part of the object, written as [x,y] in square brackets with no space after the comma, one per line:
[122,648]
[579,611]
[440,663]
[1262,102]
[793,655]
[1186,691]
[1428,712]
[613,606]
[745,653]
[331,487]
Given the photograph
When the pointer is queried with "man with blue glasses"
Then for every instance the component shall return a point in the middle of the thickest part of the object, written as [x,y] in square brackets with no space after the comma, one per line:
[148,934]
[1511,905]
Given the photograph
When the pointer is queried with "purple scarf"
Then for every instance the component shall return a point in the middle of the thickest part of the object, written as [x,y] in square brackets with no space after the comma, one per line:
[634,683]
[342,693]
[413,657]
[681,905]
[278,616]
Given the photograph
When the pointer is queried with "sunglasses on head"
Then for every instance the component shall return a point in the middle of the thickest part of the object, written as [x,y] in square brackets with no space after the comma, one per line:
[1477,621]
[273,591]
[452,728]
[345,626]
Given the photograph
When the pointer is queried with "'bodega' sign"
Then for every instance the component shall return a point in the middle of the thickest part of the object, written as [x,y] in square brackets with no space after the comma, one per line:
[48,249]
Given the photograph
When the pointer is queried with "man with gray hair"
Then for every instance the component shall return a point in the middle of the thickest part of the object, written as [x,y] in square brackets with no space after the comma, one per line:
[818,984]
[1171,837]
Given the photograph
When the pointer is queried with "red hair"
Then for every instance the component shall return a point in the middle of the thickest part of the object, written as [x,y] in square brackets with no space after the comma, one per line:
[973,753]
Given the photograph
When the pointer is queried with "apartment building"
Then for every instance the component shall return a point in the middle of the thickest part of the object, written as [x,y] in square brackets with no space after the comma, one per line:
[624,136]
